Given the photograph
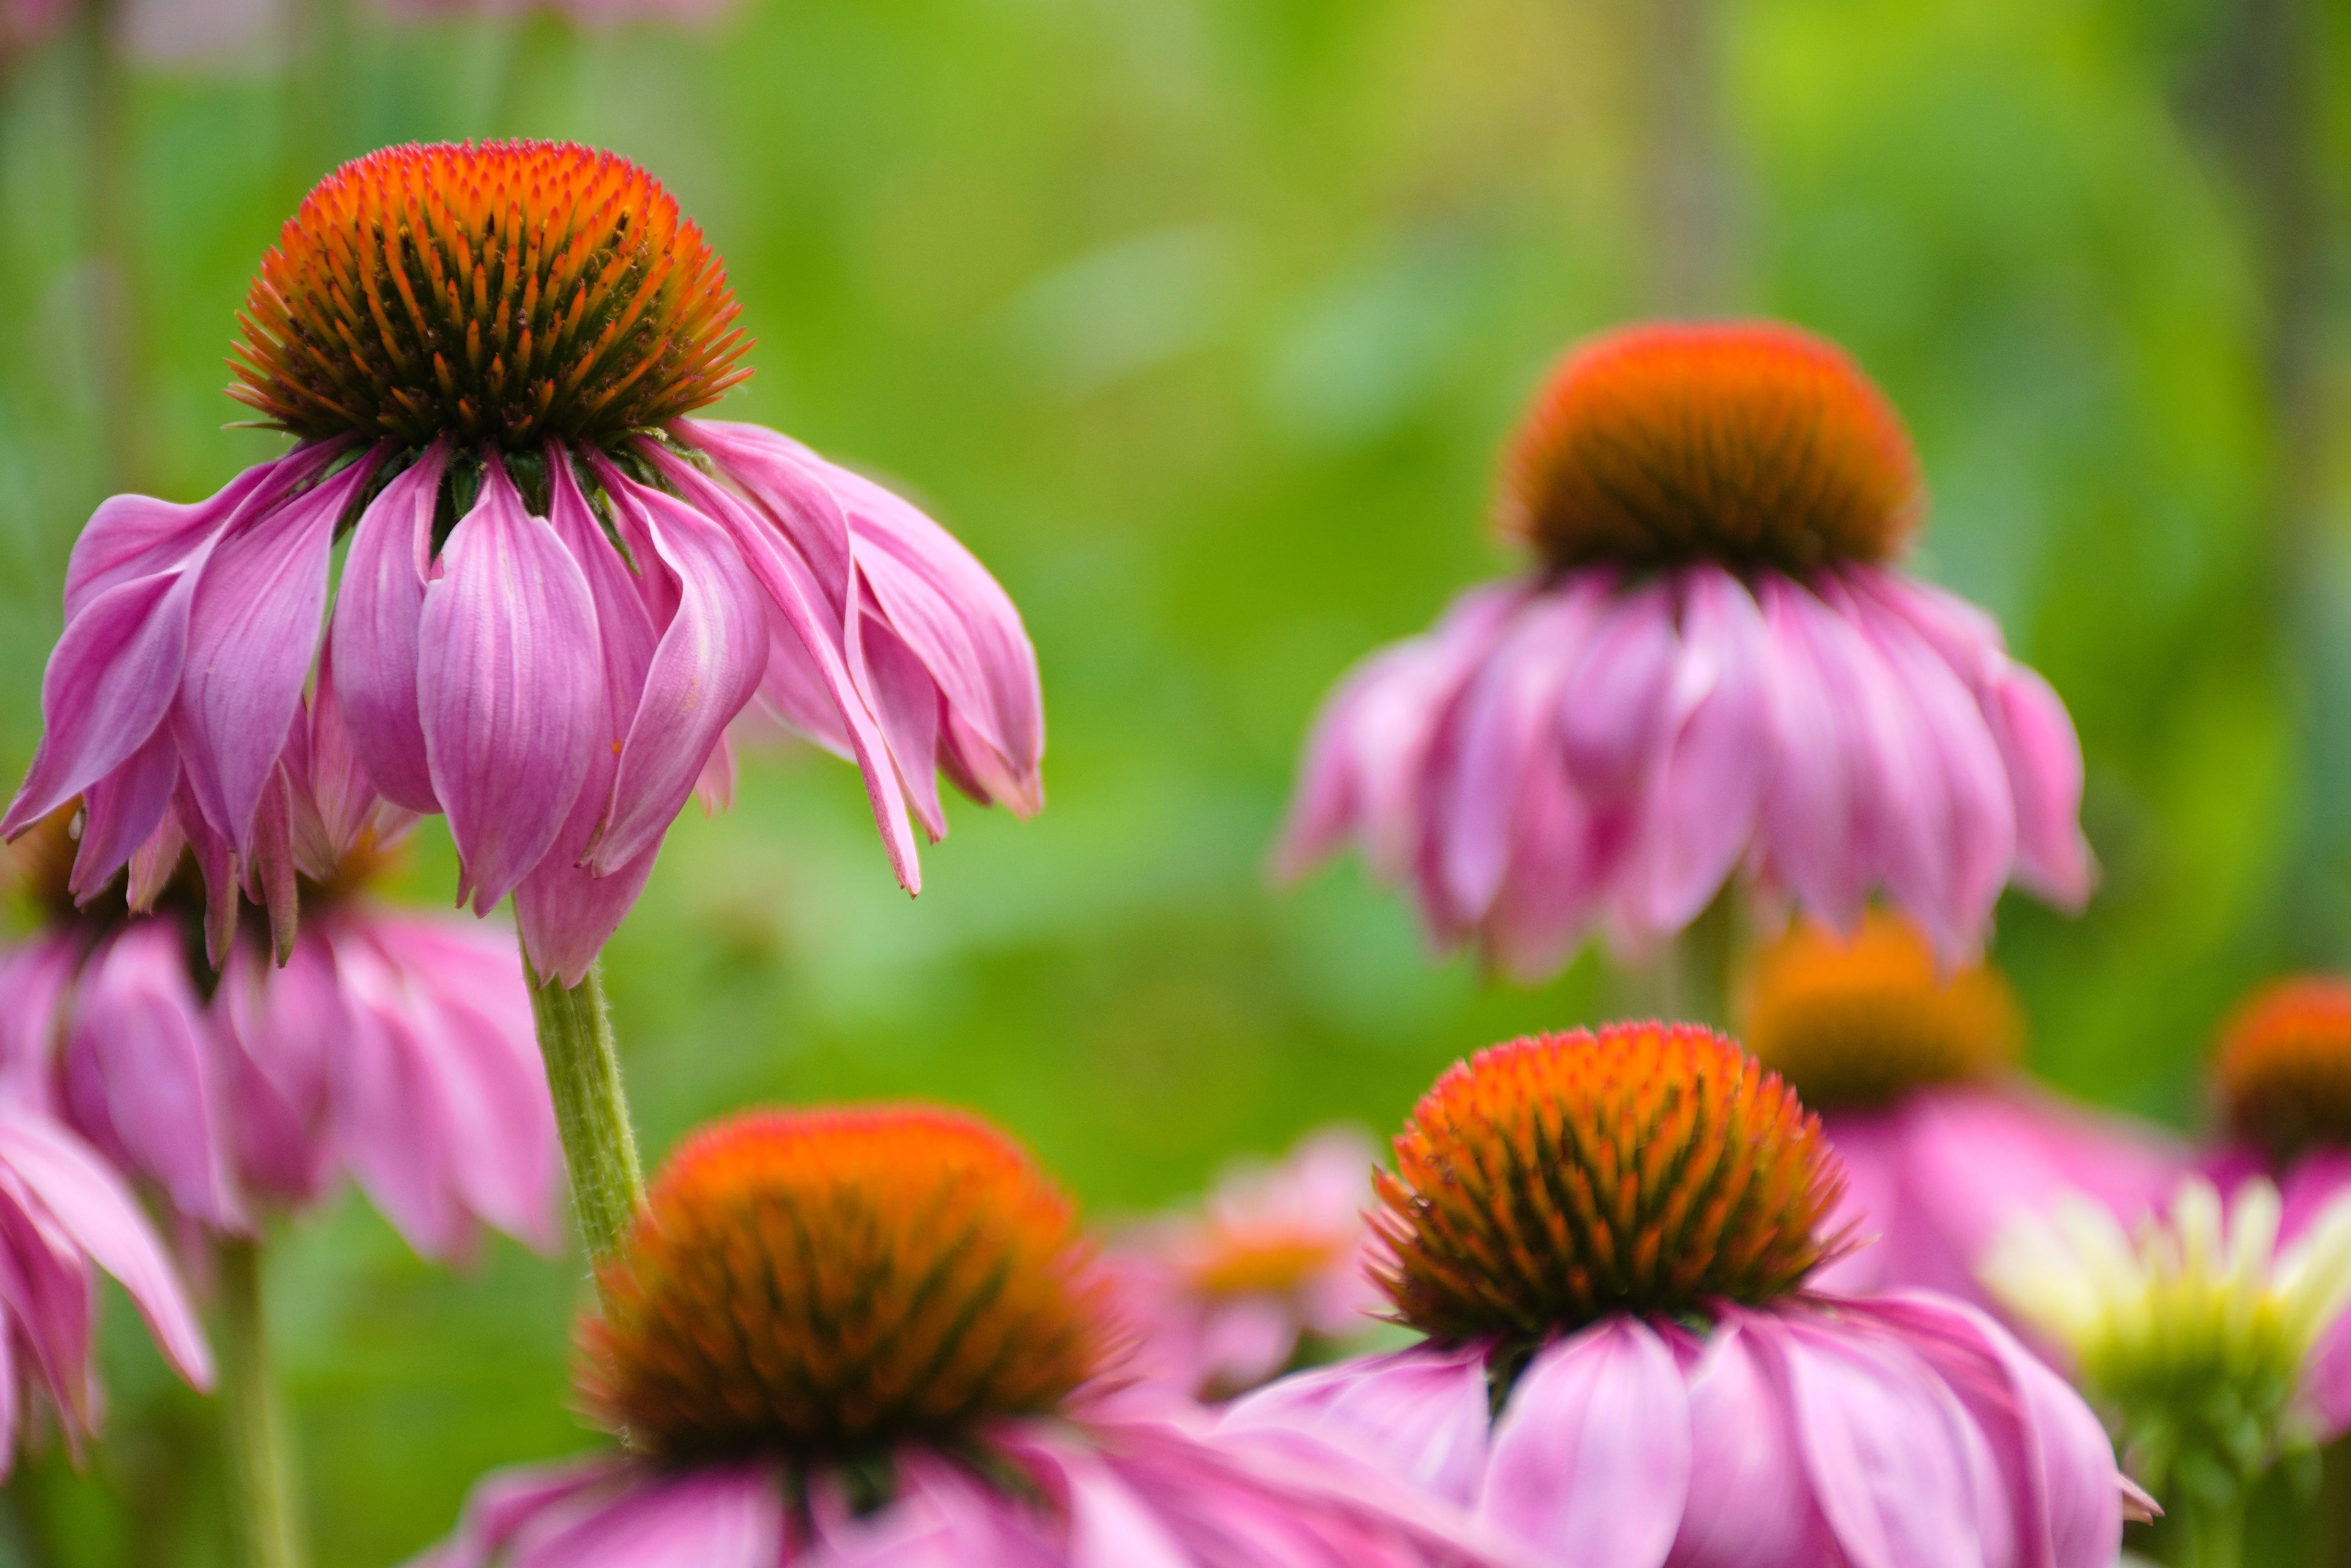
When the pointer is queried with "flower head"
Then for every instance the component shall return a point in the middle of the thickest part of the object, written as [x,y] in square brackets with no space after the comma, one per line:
[395,1049]
[919,1274]
[1678,1400]
[558,593]
[2196,1335]
[1709,670]
[1271,1268]
[1860,1022]
[2284,1067]
[834,1335]
[1554,1180]
[1749,444]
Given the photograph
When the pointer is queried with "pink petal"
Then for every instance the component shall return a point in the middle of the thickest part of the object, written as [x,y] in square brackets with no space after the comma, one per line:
[123,811]
[2044,757]
[1897,1469]
[379,617]
[1750,1504]
[511,1502]
[48,1304]
[1807,816]
[254,627]
[108,686]
[133,537]
[283,1026]
[103,1218]
[791,487]
[1420,1416]
[511,687]
[710,1516]
[709,661]
[1591,1459]
[906,704]
[141,1075]
[795,594]
[1613,712]
[1560,862]
[35,976]
[1713,766]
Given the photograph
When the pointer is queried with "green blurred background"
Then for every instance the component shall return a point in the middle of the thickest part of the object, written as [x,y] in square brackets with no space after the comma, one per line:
[1201,321]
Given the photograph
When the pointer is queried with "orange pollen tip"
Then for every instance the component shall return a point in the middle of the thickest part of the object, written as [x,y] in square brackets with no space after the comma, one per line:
[495,291]
[2283,1068]
[1555,1179]
[1750,443]
[1860,1022]
[827,1283]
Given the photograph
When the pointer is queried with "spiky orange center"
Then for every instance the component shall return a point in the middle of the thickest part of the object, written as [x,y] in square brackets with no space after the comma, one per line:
[1860,1022]
[1751,443]
[825,1282]
[2285,1065]
[1649,1167]
[501,291]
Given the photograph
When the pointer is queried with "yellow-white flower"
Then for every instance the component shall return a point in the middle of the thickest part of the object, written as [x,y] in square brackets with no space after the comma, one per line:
[2195,1334]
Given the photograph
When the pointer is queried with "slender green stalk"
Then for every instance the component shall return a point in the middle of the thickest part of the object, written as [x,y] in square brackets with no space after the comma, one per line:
[583,1071]
[2213,1530]
[268,1524]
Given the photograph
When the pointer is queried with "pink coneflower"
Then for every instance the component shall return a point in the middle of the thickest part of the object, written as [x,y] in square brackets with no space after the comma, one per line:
[1712,668]
[872,1335]
[1605,1238]
[1913,1071]
[64,1214]
[558,590]
[1272,1265]
[2282,1072]
[395,1048]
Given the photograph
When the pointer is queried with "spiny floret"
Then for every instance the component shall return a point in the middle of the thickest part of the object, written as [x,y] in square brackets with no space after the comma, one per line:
[1862,1021]
[1650,1168]
[501,291]
[2284,1067]
[825,1282]
[1750,443]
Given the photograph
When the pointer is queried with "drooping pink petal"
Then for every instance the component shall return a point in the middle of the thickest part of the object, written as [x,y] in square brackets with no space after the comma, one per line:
[1750,1504]
[795,595]
[507,1502]
[709,661]
[1714,764]
[511,686]
[104,1220]
[48,1303]
[708,1516]
[906,704]
[1807,818]
[141,1075]
[790,484]
[2044,769]
[133,537]
[1897,1469]
[1591,1458]
[379,614]
[1420,1414]
[122,810]
[566,910]
[338,808]
[1614,711]
[282,1027]
[34,978]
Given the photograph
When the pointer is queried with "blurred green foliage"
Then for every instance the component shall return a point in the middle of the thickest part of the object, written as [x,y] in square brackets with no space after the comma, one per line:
[1201,321]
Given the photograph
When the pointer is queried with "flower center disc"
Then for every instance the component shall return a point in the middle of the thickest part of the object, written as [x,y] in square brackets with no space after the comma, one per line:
[824,1283]
[1860,1023]
[1649,1167]
[1750,443]
[503,291]
[2285,1065]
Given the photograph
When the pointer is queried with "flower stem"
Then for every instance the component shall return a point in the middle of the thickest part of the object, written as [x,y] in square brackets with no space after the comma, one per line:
[268,1530]
[583,1071]
[2214,1533]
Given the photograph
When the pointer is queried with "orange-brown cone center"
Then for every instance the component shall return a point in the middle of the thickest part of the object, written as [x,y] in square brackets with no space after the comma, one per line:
[2285,1065]
[1860,1022]
[499,291]
[1649,1167]
[826,1282]
[1750,443]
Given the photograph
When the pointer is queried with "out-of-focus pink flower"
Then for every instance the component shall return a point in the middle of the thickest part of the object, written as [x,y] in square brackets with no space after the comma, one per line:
[2282,1072]
[1616,1381]
[1713,670]
[558,591]
[958,1417]
[396,1048]
[25,23]
[63,1215]
[586,12]
[1222,1296]
[1913,1071]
